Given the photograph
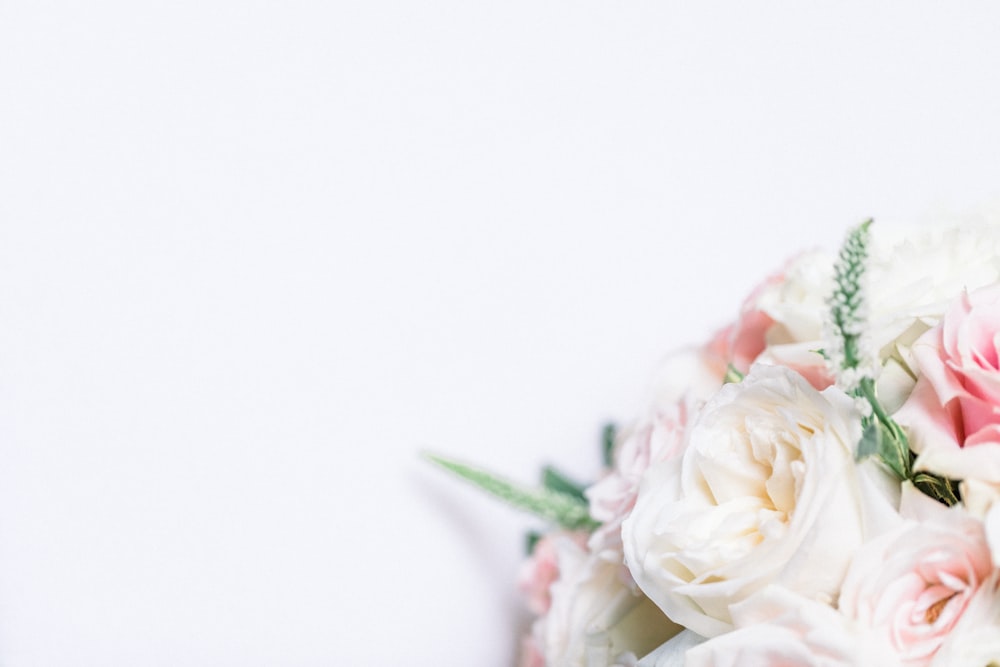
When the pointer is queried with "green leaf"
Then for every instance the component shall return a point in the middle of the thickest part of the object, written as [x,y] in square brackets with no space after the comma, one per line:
[733,375]
[560,508]
[895,454]
[879,441]
[530,540]
[939,488]
[882,437]
[553,480]
[608,435]
[871,441]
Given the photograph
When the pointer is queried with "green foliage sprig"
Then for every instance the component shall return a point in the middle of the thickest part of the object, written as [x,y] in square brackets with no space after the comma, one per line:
[558,500]
[881,436]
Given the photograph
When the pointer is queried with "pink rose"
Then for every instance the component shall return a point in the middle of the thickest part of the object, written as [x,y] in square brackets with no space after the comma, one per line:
[680,385]
[657,437]
[538,573]
[780,323]
[953,414]
[741,342]
[531,653]
[593,617]
[913,584]
[975,639]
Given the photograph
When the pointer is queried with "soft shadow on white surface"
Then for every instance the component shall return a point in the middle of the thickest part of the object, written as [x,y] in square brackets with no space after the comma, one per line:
[254,257]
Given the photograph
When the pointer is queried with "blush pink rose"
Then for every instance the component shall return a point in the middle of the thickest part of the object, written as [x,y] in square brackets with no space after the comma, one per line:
[912,585]
[593,617]
[540,570]
[657,437]
[779,324]
[953,414]
[680,385]
[531,653]
[975,639]
[741,342]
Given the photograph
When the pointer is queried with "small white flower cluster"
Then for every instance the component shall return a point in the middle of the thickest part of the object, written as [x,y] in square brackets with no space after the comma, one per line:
[847,344]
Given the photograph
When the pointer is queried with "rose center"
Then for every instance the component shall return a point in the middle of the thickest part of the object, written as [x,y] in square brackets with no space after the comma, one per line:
[934,611]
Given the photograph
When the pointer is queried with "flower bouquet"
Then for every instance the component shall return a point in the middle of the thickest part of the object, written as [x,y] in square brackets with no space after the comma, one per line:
[818,484]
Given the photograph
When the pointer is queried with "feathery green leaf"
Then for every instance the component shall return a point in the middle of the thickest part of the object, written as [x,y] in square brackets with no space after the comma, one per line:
[882,437]
[561,508]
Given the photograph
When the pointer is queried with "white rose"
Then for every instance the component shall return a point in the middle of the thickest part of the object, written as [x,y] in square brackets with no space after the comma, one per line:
[776,627]
[687,373]
[798,303]
[916,273]
[781,322]
[595,618]
[913,276]
[672,652]
[766,491]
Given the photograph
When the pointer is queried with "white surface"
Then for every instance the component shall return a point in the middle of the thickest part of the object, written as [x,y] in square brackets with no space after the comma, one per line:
[255,256]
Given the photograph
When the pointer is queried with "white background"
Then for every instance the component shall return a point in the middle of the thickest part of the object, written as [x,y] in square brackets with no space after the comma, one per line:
[255,256]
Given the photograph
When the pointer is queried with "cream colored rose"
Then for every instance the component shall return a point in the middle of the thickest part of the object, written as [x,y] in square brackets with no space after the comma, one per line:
[776,628]
[766,491]
[916,273]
